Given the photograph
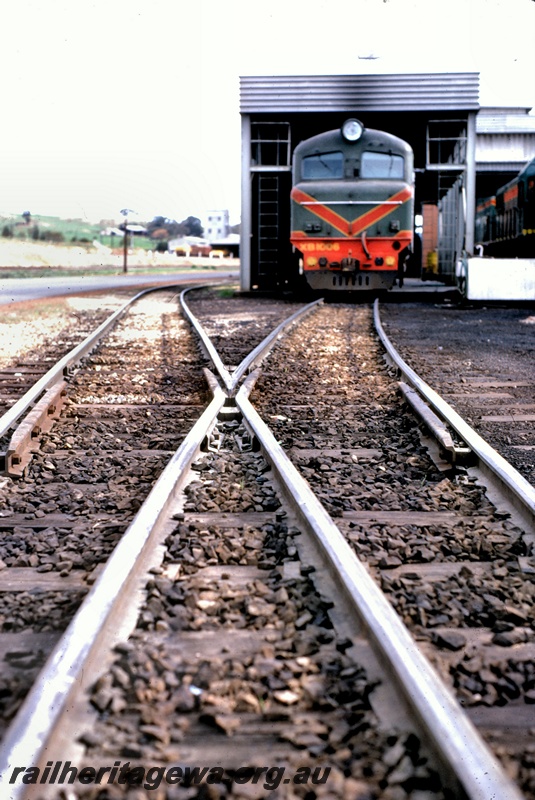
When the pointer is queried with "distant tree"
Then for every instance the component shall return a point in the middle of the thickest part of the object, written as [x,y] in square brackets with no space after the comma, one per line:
[7,231]
[52,236]
[159,233]
[171,226]
[157,222]
[27,217]
[192,227]
[35,233]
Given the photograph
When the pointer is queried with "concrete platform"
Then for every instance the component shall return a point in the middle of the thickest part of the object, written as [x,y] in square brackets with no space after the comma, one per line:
[419,287]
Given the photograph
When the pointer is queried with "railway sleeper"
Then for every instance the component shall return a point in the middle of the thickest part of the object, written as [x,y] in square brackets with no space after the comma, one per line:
[40,419]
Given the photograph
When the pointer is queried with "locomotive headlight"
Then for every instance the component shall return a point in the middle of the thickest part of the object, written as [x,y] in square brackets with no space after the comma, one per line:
[352,130]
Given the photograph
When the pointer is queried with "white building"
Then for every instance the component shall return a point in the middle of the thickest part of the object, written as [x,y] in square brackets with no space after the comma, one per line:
[217,226]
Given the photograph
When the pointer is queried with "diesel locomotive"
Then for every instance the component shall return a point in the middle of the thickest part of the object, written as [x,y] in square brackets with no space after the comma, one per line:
[505,223]
[352,208]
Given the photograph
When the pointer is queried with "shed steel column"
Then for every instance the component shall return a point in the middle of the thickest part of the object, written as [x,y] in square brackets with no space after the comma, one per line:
[470,183]
[246,204]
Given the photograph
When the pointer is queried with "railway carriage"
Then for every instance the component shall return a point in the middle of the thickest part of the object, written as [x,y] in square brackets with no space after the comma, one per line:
[505,224]
[352,208]
[485,221]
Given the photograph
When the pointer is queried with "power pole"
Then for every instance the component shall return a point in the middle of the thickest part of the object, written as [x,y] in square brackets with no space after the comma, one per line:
[124,212]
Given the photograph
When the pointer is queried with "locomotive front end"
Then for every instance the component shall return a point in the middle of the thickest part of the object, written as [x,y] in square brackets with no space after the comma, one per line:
[352,207]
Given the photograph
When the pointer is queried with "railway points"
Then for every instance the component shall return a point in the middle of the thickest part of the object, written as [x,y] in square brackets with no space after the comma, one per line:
[235,553]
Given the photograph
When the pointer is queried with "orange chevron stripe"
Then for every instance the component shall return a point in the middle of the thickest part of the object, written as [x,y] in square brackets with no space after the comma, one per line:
[322,211]
[379,211]
[382,209]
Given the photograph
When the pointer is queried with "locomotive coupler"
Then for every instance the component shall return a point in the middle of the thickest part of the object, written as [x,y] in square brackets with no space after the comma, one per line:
[350,264]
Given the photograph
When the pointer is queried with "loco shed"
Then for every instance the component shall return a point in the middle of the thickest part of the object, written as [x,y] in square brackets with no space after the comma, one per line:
[433,113]
[437,115]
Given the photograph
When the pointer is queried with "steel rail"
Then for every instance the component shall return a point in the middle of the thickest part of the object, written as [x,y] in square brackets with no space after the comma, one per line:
[206,342]
[68,362]
[100,616]
[455,740]
[519,491]
[256,356]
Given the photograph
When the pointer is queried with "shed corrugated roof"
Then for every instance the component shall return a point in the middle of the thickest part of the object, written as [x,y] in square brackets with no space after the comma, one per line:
[319,93]
[499,166]
[504,121]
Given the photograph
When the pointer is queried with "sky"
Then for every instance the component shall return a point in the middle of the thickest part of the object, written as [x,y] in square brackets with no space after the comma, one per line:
[112,104]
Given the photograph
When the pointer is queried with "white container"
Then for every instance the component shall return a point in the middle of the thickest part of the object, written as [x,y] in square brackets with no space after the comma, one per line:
[497,278]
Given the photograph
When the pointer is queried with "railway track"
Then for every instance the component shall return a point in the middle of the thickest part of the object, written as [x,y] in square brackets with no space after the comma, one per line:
[241,650]
[481,358]
[129,407]
[84,483]
[19,373]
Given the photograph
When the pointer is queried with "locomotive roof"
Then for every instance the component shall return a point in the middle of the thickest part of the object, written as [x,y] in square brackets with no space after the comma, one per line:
[370,138]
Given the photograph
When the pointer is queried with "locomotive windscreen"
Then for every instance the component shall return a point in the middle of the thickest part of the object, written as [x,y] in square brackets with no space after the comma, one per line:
[381,165]
[323,166]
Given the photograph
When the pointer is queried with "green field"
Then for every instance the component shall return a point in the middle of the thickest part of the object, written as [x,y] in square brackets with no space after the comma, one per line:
[44,228]
[66,231]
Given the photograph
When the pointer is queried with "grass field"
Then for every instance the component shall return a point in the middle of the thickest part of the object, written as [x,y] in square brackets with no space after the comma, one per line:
[72,230]
[64,231]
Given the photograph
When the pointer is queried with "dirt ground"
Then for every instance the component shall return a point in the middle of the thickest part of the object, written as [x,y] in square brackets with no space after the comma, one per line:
[17,253]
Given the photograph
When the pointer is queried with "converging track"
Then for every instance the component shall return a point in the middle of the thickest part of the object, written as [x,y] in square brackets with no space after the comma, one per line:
[310,627]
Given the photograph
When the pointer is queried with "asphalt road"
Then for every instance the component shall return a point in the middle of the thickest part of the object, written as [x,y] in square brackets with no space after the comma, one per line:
[15,290]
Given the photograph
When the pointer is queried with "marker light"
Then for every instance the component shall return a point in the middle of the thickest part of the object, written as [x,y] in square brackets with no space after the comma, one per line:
[352,130]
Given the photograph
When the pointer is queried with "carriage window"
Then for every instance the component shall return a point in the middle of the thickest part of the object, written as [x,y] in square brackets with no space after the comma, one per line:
[323,167]
[381,165]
